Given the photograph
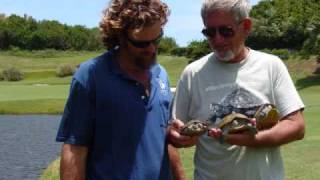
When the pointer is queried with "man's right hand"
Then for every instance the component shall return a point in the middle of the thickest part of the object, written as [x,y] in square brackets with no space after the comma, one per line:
[178,140]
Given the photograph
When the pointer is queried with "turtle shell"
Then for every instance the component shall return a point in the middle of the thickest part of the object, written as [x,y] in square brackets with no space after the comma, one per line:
[194,128]
[266,116]
[236,123]
[229,118]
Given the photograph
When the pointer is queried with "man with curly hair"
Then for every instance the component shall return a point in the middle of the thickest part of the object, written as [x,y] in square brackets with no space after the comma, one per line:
[114,122]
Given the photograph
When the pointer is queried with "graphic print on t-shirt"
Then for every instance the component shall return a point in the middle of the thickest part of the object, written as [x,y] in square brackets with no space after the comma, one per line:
[240,100]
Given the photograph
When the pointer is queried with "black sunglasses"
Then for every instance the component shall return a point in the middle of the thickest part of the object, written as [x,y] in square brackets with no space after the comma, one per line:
[225,31]
[144,44]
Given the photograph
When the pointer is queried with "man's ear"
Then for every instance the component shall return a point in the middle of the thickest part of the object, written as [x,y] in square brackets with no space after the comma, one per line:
[247,25]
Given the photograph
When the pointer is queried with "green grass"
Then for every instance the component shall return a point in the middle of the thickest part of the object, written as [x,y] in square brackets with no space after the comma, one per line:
[301,158]
[51,172]
[41,85]
[186,155]
[33,99]
[42,70]
[32,92]
[27,64]
[38,106]
[174,67]
[40,77]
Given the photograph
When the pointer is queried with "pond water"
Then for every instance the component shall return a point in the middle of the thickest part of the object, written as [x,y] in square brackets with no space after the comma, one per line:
[27,145]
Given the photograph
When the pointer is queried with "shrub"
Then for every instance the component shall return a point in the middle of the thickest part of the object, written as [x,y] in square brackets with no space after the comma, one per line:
[197,49]
[179,51]
[166,45]
[12,74]
[1,77]
[65,70]
[284,54]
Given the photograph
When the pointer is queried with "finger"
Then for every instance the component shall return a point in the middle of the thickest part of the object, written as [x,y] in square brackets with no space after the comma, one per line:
[214,132]
[181,140]
[177,123]
[253,121]
[177,136]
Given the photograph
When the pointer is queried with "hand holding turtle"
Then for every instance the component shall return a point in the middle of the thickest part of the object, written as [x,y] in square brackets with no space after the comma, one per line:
[238,134]
[241,130]
[178,139]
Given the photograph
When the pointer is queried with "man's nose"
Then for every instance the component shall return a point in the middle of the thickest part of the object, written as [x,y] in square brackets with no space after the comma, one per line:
[217,39]
[152,47]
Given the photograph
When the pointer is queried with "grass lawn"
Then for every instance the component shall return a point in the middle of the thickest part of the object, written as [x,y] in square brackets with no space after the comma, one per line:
[32,99]
[51,172]
[41,92]
[301,158]
[37,63]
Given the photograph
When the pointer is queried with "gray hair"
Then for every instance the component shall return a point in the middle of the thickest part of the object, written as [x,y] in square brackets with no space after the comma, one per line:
[239,8]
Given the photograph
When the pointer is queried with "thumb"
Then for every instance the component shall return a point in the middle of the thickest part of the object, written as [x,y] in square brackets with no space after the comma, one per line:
[177,123]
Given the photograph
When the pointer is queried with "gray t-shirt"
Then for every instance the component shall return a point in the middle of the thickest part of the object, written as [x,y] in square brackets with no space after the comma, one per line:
[209,89]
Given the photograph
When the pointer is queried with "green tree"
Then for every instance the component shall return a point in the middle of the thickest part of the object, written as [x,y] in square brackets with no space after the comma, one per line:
[167,44]
[197,49]
[3,32]
[283,23]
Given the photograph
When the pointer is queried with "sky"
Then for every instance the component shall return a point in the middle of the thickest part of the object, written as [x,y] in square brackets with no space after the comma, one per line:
[184,23]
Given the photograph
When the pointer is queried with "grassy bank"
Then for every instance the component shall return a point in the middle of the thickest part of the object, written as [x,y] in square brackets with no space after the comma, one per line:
[32,99]
[51,173]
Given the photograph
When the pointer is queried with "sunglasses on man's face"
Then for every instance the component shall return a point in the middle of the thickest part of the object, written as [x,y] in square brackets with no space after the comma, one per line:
[145,44]
[224,31]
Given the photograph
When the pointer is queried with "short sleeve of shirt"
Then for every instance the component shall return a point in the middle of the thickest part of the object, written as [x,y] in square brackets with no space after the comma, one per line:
[285,94]
[76,123]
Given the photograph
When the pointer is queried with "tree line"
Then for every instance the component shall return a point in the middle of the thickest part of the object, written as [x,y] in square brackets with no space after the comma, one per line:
[289,25]
[28,34]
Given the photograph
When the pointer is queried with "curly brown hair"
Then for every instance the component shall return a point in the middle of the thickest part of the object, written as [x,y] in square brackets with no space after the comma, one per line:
[122,15]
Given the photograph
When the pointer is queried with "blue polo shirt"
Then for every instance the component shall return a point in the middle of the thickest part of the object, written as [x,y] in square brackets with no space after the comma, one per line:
[123,128]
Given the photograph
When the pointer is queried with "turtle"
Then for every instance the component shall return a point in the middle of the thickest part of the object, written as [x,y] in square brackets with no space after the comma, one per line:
[194,128]
[266,116]
[237,123]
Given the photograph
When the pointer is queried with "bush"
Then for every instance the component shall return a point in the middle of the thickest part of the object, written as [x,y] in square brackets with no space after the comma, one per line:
[166,45]
[179,51]
[1,77]
[197,49]
[65,70]
[284,54]
[12,74]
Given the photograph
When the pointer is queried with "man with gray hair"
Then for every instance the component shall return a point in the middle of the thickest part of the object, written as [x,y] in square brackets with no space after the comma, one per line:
[235,78]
